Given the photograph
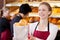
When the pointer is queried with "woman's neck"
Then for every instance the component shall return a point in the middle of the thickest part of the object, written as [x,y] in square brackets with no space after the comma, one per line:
[44,22]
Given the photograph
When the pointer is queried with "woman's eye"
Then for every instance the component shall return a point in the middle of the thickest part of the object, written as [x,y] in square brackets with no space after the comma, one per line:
[41,10]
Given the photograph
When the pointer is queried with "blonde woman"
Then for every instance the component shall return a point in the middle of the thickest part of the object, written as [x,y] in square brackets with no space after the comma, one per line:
[43,30]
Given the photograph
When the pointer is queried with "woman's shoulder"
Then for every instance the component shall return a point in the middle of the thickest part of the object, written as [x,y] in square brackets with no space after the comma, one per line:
[33,24]
[53,26]
[32,27]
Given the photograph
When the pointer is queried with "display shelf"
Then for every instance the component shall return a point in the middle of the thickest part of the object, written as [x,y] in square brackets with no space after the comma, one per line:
[34,4]
[55,16]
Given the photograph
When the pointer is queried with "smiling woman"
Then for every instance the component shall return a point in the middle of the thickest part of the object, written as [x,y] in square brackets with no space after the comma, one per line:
[43,30]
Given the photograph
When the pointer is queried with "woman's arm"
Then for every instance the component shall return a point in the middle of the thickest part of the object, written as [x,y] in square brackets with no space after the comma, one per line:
[53,32]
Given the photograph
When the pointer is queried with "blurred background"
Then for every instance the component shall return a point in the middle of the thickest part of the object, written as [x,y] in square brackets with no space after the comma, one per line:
[13,6]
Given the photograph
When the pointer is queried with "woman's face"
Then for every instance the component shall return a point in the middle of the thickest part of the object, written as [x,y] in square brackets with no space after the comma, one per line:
[43,11]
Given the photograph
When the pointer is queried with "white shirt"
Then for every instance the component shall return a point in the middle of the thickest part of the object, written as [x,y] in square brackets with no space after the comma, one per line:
[20,32]
[53,29]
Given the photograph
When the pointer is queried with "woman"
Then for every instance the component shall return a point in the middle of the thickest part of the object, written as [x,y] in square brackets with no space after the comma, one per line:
[5,25]
[43,30]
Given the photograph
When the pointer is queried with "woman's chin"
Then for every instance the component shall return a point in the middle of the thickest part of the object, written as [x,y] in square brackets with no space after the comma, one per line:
[43,17]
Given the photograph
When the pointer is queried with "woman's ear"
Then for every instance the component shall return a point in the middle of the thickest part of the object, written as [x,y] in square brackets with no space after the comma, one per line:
[49,13]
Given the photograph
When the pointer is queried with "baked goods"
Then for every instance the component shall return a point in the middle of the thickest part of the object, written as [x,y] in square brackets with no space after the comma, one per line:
[23,22]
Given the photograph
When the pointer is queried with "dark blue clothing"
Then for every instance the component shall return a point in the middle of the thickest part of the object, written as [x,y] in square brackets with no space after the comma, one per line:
[4,24]
[16,19]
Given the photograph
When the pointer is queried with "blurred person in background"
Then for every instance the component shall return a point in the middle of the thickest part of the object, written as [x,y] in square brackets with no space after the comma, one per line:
[1,12]
[43,30]
[23,12]
[5,25]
